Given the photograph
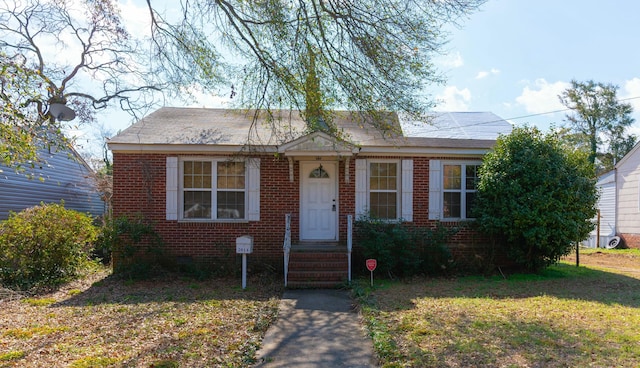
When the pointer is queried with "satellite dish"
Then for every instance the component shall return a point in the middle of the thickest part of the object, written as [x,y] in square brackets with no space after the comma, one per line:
[61,112]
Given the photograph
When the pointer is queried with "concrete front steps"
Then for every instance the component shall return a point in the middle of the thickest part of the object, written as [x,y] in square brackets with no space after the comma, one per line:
[318,266]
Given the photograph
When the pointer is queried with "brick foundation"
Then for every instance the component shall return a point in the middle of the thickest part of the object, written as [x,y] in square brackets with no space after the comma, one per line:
[631,240]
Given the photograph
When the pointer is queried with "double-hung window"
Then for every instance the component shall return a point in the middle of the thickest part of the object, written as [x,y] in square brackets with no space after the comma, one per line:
[383,190]
[459,188]
[213,189]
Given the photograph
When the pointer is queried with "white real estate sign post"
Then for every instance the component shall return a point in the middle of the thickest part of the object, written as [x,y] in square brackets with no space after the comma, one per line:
[244,246]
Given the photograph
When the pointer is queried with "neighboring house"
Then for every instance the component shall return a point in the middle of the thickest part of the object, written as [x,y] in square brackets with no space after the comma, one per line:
[64,176]
[606,219]
[205,177]
[627,198]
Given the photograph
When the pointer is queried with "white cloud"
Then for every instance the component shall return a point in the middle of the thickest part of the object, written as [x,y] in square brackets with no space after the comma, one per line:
[484,73]
[631,91]
[542,97]
[453,99]
[450,61]
[206,99]
[136,18]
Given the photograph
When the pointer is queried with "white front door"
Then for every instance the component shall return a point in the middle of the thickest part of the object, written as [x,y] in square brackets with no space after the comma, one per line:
[318,201]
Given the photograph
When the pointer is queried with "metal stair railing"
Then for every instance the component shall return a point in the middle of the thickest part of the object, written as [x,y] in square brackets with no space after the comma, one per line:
[349,242]
[287,245]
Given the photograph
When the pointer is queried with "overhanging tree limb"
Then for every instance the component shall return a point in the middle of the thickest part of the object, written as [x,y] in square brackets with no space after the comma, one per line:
[372,55]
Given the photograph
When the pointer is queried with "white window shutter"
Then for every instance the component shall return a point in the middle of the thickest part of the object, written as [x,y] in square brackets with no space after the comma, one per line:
[253,195]
[407,190]
[172,188]
[435,189]
[361,187]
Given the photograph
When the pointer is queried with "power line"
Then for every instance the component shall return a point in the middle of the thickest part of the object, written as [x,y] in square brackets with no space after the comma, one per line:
[528,116]
[556,111]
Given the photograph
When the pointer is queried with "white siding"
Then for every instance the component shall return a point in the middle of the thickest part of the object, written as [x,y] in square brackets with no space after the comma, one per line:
[607,205]
[628,205]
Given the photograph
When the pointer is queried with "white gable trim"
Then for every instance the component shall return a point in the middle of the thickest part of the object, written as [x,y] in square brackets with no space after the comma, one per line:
[317,144]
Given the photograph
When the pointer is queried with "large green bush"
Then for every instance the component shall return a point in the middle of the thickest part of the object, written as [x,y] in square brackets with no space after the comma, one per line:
[44,246]
[536,197]
[402,249]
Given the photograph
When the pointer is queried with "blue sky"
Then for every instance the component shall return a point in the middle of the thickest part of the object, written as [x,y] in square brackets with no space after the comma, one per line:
[514,57]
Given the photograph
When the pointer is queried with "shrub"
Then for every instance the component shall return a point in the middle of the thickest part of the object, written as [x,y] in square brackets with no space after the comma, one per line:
[435,256]
[402,249]
[44,245]
[536,197]
[132,243]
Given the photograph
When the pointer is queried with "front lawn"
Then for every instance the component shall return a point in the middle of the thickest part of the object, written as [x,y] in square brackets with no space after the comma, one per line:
[169,322]
[565,317]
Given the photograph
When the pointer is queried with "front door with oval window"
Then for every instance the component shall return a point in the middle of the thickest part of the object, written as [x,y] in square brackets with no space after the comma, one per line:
[318,201]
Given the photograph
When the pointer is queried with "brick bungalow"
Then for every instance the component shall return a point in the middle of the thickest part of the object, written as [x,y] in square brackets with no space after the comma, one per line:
[205,177]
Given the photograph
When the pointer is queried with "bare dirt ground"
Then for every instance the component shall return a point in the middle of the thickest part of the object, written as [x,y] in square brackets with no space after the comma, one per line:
[168,321]
[621,260]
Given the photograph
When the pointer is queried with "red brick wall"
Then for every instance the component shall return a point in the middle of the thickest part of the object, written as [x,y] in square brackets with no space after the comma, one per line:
[631,240]
[139,188]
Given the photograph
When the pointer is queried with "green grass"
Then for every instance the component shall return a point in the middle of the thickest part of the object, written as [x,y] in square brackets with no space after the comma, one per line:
[12,355]
[43,302]
[565,316]
[630,252]
[29,332]
[93,362]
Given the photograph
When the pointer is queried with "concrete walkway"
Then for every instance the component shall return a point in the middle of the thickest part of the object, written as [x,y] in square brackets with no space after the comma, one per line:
[316,328]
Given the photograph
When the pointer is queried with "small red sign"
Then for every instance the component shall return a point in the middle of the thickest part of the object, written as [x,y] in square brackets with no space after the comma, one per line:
[371,264]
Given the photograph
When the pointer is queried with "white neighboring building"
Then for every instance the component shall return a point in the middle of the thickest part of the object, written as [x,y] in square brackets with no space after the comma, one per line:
[607,206]
[619,202]
[627,180]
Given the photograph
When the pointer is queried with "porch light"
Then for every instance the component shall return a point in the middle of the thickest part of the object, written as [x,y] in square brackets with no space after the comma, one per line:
[61,112]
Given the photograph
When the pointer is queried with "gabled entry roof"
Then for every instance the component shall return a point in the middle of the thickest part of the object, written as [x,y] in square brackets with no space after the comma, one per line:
[318,144]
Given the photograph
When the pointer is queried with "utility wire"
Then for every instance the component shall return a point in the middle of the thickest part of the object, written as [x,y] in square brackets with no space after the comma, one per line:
[526,116]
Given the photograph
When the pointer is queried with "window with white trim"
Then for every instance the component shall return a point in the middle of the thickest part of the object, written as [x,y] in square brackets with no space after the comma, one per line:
[213,189]
[459,189]
[383,189]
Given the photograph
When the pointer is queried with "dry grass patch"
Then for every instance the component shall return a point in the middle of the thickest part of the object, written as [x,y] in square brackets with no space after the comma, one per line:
[102,321]
[565,317]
